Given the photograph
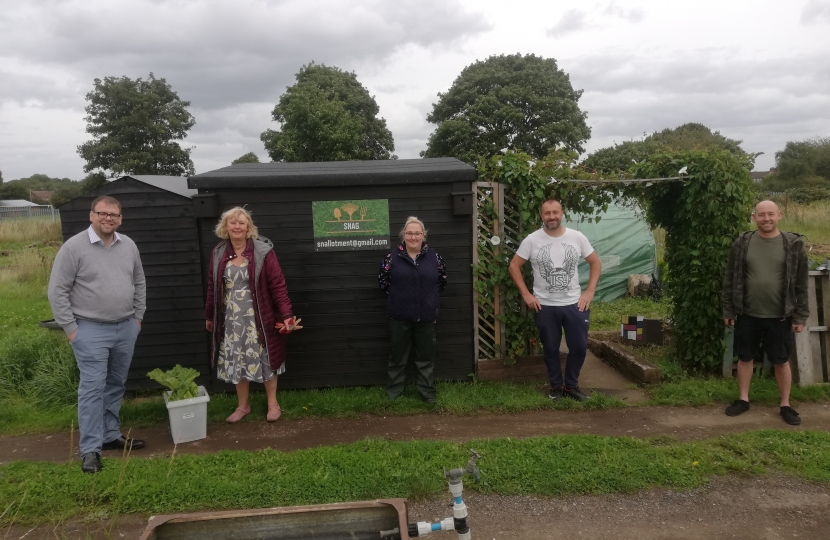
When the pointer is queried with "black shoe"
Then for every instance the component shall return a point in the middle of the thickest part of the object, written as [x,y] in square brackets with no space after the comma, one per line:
[576,394]
[121,442]
[91,462]
[429,400]
[555,394]
[790,416]
[738,406]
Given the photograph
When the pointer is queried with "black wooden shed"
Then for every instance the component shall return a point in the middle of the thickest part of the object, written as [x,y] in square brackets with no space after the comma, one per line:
[159,218]
[345,340]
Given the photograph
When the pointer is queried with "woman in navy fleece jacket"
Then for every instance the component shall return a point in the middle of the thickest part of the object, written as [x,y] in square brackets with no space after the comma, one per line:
[412,275]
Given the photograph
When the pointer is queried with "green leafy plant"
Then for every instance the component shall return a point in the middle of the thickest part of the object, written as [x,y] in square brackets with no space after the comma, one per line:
[179,380]
[702,213]
[529,182]
[806,195]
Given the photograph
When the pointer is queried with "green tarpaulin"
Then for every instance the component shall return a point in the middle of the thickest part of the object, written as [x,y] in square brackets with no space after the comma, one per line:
[625,245]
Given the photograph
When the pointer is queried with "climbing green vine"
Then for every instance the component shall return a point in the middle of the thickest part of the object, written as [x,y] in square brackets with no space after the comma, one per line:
[702,214]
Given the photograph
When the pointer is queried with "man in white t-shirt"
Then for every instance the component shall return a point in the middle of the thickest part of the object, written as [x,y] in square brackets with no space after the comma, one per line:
[554,252]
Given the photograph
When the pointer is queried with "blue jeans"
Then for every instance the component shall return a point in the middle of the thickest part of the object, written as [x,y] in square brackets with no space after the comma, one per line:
[103,352]
[550,321]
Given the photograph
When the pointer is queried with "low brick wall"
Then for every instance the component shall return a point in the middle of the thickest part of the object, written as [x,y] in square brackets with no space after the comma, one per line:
[624,361]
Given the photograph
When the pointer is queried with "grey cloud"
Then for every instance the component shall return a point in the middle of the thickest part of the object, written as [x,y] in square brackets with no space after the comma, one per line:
[763,115]
[572,20]
[815,12]
[217,54]
[764,102]
[576,20]
[26,87]
[634,15]
[699,72]
[392,88]
[618,114]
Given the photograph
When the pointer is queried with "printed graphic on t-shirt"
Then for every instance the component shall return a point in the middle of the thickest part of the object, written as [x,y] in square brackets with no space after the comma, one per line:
[555,262]
[557,265]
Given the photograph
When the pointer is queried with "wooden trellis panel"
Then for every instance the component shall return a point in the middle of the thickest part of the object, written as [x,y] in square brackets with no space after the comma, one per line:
[502,222]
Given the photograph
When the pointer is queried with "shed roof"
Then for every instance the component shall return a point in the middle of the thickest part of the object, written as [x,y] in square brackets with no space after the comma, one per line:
[173,184]
[18,202]
[335,173]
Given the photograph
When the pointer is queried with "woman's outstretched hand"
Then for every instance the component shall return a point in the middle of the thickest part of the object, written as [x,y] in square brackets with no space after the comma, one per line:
[289,325]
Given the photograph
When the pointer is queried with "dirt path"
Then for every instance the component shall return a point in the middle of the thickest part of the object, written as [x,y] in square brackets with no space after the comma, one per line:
[684,423]
[766,508]
[763,508]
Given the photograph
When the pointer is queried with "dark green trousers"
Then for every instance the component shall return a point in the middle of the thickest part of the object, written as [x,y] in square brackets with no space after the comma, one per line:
[412,337]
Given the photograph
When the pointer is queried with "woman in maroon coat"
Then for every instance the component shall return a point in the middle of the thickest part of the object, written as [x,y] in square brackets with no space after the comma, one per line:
[246,299]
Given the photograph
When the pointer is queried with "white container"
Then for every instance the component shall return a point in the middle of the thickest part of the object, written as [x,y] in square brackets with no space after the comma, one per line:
[188,417]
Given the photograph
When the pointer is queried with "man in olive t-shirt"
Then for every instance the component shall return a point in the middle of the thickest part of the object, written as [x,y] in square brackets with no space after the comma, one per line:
[763,298]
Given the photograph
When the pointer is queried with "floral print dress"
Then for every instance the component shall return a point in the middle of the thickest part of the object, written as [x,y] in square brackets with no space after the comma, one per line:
[241,355]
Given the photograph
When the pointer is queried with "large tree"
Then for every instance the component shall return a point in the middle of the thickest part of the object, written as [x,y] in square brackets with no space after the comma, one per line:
[250,157]
[63,189]
[510,102]
[327,116]
[67,192]
[801,164]
[134,125]
[692,136]
[804,160]
[21,188]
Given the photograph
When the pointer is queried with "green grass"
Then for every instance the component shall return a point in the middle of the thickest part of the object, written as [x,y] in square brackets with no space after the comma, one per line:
[24,415]
[543,466]
[608,315]
[808,219]
[811,221]
[16,234]
[696,392]
[21,415]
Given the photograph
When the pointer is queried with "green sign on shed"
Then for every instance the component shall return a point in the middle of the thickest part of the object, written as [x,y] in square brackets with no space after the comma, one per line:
[350,225]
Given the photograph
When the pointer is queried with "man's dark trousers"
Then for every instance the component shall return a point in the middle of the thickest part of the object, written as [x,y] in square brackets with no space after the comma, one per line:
[550,321]
[406,336]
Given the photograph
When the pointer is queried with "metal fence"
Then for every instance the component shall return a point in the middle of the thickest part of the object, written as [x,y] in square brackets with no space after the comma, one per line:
[16,212]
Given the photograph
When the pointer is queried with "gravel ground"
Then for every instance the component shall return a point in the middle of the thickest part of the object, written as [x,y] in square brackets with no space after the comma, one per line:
[762,508]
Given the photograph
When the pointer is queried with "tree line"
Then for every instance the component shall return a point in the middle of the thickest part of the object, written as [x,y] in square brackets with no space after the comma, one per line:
[522,103]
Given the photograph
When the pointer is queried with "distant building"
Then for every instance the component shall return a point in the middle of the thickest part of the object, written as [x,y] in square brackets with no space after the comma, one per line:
[41,197]
[17,202]
[757,176]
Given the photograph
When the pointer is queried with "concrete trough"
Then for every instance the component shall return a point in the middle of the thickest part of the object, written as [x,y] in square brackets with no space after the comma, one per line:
[341,521]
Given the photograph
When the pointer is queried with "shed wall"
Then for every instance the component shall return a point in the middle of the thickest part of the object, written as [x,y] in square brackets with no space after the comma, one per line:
[164,229]
[345,337]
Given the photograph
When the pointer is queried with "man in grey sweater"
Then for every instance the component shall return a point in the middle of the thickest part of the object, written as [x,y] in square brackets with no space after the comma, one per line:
[97,293]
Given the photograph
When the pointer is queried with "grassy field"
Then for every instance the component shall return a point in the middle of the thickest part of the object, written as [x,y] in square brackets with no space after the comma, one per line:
[547,466]
[813,221]
[34,364]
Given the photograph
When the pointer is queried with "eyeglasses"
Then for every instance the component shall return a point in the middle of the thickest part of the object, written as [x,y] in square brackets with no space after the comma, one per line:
[104,215]
[413,234]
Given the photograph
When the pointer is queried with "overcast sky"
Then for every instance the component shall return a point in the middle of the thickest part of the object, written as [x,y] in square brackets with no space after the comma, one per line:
[756,70]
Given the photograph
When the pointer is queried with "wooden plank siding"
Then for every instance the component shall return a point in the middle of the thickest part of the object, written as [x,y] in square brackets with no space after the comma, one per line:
[163,227]
[345,341]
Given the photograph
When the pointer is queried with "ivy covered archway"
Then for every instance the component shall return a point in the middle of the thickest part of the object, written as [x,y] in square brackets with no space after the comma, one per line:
[701,199]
